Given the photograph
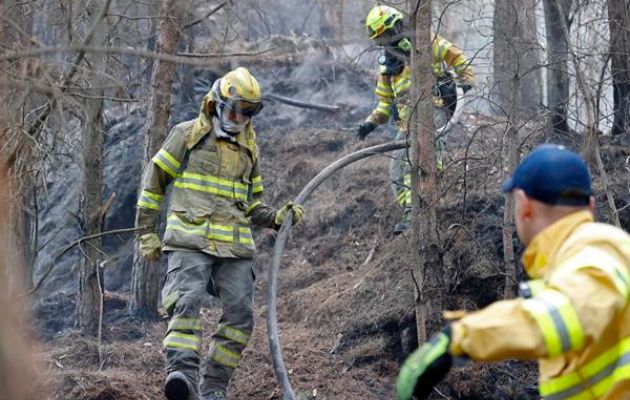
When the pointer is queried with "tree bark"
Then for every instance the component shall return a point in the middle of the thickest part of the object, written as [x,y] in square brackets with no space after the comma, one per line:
[90,275]
[425,248]
[556,17]
[16,30]
[145,280]
[619,22]
[516,46]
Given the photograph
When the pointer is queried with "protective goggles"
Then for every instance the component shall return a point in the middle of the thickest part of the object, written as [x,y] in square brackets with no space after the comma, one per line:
[244,108]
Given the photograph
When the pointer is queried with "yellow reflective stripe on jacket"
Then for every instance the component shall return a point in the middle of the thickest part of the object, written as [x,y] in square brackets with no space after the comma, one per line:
[178,340]
[225,356]
[150,200]
[599,259]
[223,233]
[383,89]
[184,324]
[245,236]
[401,85]
[384,108]
[407,180]
[531,288]
[558,321]
[252,207]
[257,185]
[212,184]
[166,162]
[233,334]
[595,378]
[404,197]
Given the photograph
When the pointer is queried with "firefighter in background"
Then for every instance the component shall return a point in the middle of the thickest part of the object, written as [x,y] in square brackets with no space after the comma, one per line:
[385,27]
[573,316]
[214,167]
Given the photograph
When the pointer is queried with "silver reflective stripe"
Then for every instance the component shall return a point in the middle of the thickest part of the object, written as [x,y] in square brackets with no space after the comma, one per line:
[166,162]
[561,327]
[609,370]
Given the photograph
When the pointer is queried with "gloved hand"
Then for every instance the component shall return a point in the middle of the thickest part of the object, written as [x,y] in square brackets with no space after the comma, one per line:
[425,367]
[466,86]
[364,129]
[298,213]
[150,246]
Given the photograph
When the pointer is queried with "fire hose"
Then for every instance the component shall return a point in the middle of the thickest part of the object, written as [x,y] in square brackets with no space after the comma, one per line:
[283,235]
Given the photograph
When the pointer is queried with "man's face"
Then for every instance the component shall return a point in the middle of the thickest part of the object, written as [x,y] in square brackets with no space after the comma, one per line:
[235,116]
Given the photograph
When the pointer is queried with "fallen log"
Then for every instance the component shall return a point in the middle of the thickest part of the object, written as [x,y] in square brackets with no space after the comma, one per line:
[303,104]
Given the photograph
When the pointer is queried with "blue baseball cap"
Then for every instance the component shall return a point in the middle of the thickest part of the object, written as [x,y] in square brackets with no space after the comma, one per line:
[553,175]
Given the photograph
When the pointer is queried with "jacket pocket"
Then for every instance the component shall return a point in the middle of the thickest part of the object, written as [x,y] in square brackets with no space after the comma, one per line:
[204,162]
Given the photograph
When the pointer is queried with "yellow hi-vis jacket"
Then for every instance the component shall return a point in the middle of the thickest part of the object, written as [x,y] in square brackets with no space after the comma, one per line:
[577,321]
[396,87]
[217,189]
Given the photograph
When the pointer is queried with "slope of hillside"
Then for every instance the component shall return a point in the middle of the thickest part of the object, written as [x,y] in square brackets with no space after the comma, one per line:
[345,306]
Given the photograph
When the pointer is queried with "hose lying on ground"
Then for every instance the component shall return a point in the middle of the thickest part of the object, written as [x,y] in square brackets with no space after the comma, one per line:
[283,234]
[281,239]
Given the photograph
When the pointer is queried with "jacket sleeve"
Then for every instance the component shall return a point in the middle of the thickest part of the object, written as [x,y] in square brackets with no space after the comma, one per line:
[445,51]
[575,307]
[385,97]
[259,213]
[159,172]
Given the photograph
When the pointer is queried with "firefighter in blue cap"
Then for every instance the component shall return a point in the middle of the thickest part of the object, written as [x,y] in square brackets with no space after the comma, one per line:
[573,316]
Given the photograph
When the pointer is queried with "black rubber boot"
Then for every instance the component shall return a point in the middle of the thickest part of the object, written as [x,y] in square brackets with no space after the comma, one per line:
[178,387]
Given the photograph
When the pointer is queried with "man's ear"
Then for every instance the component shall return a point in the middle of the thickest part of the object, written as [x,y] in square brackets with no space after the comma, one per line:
[591,204]
[524,205]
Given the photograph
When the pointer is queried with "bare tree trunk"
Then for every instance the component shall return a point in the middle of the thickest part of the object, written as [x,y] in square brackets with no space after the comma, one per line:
[556,17]
[16,30]
[511,65]
[90,275]
[425,248]
[619,22]
[515,28]
[340,11]
[145,282]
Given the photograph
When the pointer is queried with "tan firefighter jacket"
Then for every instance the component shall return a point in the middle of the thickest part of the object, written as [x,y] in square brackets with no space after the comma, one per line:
[577,320]
[396,87]
[217,189]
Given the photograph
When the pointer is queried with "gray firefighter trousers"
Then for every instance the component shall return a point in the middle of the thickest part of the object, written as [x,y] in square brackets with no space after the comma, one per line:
[191,276]
[400,166]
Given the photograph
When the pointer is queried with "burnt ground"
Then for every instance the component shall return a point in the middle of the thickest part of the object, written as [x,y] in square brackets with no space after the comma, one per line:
[345,300]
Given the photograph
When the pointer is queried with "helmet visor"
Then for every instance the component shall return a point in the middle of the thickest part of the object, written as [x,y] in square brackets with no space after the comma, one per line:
[245,108]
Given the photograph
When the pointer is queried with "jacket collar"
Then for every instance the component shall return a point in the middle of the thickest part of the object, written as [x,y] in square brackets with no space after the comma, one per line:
[540,255]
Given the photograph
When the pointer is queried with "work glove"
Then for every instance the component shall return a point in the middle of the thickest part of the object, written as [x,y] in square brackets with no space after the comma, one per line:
[425,367]
[298,213]
[364,129]
[150,246]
